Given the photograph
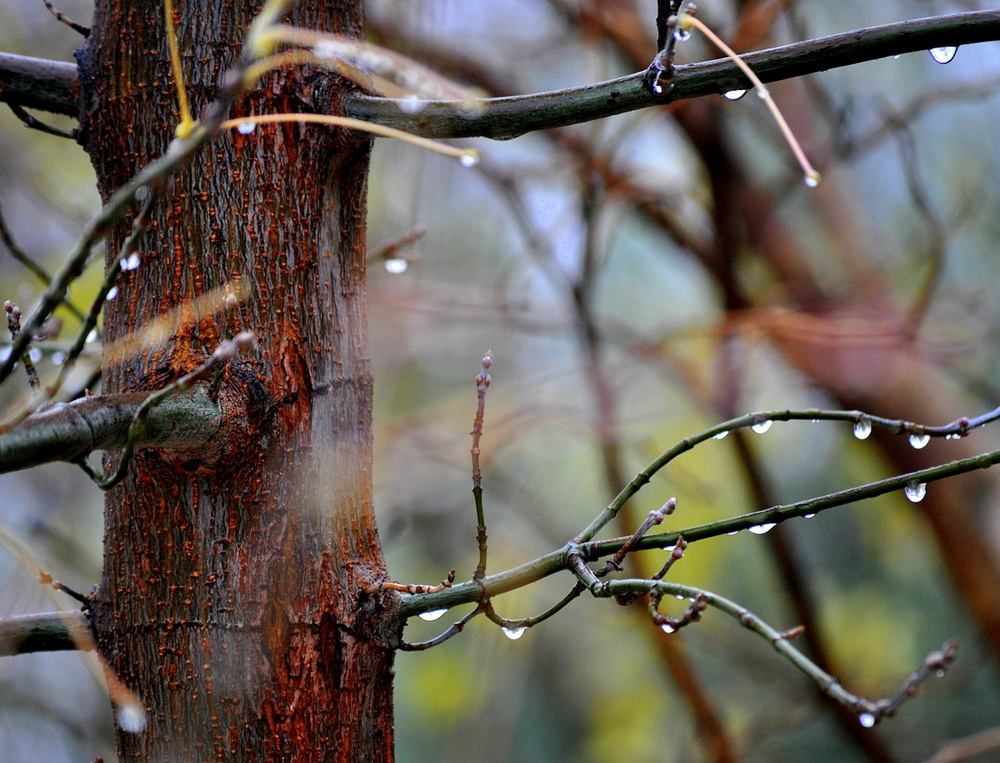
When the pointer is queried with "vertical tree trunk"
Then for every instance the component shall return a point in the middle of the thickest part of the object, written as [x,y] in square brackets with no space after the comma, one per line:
[228,597]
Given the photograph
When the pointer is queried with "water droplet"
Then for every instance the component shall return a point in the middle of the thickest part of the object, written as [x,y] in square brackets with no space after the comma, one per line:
[895,57]
[808,516]
[131,262]
[762,426]
[944,54]
[761,529]
[433,615]
[919,440]
[862,428]
[668,628]
[470,158]
[763,92]
[953,436]
[867,720]
[915,491]
[131,717]
[141,192]
[514,632]
[92,336]
[811,178]
[657,88]
[4,354]
[58,358]
[939,673]
[411,104]
[682,35]
[34,355]
[734,95]
[112,293]
[245,128]
[680,597]
[720,435]
[396,265]
[733,532]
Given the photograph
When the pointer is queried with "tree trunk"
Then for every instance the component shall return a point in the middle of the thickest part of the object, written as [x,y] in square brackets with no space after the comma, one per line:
[228,600]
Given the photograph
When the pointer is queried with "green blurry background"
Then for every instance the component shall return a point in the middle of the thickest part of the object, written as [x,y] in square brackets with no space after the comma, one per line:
[637,279]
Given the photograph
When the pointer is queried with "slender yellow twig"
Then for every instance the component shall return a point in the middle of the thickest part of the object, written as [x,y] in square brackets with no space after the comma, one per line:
[131,715]
[468,156]
[186,123]
[685,21]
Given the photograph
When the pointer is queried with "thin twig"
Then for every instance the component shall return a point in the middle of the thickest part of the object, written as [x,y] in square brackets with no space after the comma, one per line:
[14,326]
[482,384]
[85,31]
[21,256]
[34,122]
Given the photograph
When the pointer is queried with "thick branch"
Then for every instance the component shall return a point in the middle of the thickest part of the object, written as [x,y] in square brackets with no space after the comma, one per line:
[509,117]
[68,432]
[39,84]
[46,632]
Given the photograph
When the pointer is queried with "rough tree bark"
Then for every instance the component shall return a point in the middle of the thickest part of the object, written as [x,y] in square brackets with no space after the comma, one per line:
[228,595]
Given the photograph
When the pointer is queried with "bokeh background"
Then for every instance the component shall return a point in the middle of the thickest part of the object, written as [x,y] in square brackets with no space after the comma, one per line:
[637,280]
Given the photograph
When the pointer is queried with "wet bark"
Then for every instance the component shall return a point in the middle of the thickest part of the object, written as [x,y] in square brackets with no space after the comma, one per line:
[228,595]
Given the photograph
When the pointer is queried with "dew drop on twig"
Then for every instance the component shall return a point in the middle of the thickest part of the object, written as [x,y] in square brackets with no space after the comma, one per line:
[720,435]
[668,628]
[131,262]
[682,35]
[867,720]
[92,336]
[943,55]
[862,428]
[734,95]
[918,441]
[396,265]
[915,491]
[762,426]
[433,615]
[761,529]
[245,128]
[514,632]
[112,293]
[469,159]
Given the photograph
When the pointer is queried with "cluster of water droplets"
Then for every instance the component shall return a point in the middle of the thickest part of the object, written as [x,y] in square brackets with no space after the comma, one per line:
[131,262]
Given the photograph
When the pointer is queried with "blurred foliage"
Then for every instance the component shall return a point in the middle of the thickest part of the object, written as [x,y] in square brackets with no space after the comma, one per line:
[682,343]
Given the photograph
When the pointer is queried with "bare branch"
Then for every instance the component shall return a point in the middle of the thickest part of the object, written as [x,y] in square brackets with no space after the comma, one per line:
[47,632]
[69,431]
[39,84]
[517,115]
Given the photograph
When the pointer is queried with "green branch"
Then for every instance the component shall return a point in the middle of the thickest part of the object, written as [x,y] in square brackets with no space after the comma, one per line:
[68,432]
[47,632]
